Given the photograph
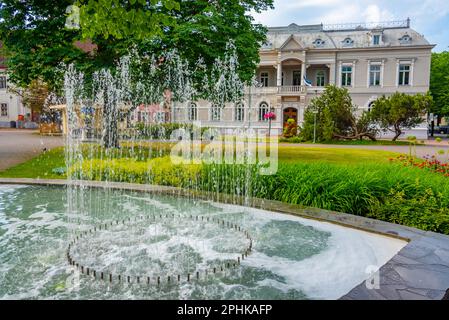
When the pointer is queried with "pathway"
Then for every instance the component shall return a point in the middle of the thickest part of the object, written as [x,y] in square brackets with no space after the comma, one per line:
[17,146]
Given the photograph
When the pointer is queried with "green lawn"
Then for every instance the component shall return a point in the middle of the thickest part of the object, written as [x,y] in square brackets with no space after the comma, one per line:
[296,154]
[353,142]
[43,165]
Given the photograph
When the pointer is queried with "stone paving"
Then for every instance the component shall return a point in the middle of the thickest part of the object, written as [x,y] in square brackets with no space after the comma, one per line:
[420,271]
[17,146]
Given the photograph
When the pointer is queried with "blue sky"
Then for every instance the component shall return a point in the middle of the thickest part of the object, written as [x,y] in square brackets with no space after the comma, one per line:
[429,17]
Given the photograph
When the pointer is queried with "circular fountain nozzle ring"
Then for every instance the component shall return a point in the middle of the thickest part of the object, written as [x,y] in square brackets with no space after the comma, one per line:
[158,279]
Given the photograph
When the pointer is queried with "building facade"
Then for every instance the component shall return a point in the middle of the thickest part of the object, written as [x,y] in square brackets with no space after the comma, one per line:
[297,62]
[11,107]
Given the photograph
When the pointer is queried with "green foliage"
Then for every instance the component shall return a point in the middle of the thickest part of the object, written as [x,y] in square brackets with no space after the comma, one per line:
[37,41]
[159,171]
[138,19]
[424,210]
[291,140]
[387,192]
[439,83]
[400,111]
[335,117]
[163,130]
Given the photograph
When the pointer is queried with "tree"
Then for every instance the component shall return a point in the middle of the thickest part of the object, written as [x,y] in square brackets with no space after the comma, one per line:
[38,41]
[439,83]
[336,118]
[400,111]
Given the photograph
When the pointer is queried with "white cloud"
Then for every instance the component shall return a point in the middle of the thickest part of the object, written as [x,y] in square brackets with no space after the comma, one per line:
[430,17]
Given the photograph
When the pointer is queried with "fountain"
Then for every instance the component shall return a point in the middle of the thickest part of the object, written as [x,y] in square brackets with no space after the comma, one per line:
[139,220]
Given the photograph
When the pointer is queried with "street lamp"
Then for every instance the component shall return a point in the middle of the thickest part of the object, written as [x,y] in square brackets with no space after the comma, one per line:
[315,112]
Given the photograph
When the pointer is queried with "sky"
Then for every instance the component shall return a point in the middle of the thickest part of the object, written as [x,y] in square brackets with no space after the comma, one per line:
[428,17]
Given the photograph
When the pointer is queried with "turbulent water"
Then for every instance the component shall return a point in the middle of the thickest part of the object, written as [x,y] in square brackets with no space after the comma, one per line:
[292,258]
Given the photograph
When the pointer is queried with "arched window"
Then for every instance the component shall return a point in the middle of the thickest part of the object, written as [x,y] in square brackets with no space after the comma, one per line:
[215,112]
[192,111]
[239,112]
[263,109]
[371,105]
[320,79]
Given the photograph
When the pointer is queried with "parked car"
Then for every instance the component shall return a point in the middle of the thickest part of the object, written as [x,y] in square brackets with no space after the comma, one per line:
[442,129]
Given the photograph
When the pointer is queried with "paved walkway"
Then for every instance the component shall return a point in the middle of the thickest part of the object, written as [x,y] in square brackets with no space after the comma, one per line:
[17,146]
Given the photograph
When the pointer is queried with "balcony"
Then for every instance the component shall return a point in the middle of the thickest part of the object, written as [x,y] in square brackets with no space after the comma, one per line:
[292,90]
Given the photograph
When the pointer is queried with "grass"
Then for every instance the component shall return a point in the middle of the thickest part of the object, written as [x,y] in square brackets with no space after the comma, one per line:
[355,181]
[38,167]
[353,142]
[43,165]
[294,154]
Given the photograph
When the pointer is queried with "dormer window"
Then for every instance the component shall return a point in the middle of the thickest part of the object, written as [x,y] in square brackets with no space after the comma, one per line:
[318,43]
[376,39]
[406,39]
[348,42]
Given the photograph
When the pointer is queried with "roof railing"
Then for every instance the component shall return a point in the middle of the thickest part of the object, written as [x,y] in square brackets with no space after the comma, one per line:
[367,25]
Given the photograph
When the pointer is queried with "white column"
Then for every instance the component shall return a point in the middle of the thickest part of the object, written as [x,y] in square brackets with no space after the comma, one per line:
[331,68]
[303,68]
[303,73]
[279,74]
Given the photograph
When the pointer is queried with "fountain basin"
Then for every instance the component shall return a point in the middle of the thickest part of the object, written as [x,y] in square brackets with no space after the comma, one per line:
[293,257]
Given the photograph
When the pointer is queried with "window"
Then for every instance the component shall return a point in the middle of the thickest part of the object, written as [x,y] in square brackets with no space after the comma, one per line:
[2,82]
[405,39]
[374,75]
[376,39]
[348,42]
[264,79]
[215,113]
[159,117]
[4,109]
[263,109]
[297,78]
[371,105]
[318,43]
[346,76]
[192,111]
[320,78]
[404,74]
[239,114]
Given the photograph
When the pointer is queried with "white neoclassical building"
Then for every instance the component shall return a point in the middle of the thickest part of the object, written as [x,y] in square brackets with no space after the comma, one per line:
[297,62]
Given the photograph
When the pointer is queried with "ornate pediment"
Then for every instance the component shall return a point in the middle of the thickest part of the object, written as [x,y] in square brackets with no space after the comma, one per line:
[291,44]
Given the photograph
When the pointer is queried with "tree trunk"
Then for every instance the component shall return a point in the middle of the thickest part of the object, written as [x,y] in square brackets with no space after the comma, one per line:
[398,132]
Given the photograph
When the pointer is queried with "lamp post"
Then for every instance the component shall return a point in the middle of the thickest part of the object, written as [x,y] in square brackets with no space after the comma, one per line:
[315,112]
[314,124]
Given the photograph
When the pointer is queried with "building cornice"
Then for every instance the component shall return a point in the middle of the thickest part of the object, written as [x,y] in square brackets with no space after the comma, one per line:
[333,50]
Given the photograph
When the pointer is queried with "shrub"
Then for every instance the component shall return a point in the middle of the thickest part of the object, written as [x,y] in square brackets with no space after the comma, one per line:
[159,171]
[391,193]
[162,130]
